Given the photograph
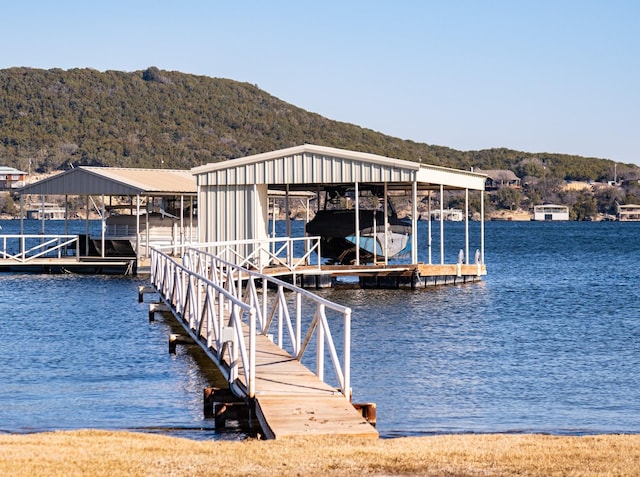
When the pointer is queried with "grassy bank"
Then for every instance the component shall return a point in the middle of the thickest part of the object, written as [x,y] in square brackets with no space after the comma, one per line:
[102,453]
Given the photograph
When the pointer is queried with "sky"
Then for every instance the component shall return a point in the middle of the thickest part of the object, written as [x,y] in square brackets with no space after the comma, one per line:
[557,76]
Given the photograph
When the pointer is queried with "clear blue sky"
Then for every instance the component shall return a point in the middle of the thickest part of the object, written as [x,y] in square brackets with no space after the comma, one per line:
[538,76]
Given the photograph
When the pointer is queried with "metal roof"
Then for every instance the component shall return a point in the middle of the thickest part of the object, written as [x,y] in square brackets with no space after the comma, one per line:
[10,170]
[85,180]
[302,166]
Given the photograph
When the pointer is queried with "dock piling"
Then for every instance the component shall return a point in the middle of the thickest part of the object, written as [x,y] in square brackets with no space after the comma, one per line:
[142,290]
[222,405]
[176,339]
[157,308]
[368,410]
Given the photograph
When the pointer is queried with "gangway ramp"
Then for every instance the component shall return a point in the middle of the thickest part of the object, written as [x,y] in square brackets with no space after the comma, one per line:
[232,312]
[290,400]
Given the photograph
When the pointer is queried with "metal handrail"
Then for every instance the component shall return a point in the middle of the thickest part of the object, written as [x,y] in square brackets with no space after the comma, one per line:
[45,246]
[206,285]
[257,289]
[212,317]
[260,254]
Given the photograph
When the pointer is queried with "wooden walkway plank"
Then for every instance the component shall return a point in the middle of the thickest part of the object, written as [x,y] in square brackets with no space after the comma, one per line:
[293,401]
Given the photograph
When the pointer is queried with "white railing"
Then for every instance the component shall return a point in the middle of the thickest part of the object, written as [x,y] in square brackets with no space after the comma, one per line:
[291,253]
[218,302]
[23,248]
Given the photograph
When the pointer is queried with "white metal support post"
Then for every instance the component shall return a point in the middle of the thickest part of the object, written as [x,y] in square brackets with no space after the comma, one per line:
[146,220]
[86,225]
[386,224]
[482,225]
[466,225]
[357,193]
[103,225]
[138,228]
[182,234]
[430,240]
[441,224]
[414,222]
[66,214]
[288,219]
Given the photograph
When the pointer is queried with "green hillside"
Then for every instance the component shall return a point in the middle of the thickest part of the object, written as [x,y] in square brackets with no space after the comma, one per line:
[52,118]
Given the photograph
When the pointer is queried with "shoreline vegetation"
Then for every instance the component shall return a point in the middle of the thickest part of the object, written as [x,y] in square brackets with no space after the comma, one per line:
[155,119]
[106,453]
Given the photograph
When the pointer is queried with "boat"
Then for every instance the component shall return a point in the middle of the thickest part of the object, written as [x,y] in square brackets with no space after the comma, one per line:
[335,224]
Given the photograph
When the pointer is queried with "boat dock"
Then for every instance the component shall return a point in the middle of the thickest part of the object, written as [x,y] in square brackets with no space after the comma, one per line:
[256,321]
[381,276]
[240,292]
[242,321]
[53,253]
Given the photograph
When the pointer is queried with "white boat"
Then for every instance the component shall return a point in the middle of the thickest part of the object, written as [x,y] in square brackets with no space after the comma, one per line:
[377,238]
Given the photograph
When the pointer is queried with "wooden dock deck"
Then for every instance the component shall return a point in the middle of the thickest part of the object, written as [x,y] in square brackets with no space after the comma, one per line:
[385,276]
[83,265]
[292,401]
[288,398]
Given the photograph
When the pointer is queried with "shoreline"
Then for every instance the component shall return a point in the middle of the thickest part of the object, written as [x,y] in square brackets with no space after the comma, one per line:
[102,453]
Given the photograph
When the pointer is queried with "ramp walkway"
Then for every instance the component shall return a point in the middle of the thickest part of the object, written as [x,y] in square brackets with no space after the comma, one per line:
[256,329]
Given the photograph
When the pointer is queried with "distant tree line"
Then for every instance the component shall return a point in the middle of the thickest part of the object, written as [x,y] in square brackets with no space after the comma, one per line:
[55,119]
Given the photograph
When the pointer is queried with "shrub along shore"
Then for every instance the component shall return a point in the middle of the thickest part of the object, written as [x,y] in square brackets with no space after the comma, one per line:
[106,453]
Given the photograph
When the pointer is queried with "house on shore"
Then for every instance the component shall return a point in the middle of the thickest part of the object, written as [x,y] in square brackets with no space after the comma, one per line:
[548,212]
[498,178]
[628,213]
[11,178]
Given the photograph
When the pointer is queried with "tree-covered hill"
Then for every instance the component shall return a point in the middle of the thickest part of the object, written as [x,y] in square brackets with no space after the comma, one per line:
[52,118]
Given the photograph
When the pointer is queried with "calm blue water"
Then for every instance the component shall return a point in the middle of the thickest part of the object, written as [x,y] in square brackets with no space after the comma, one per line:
[549,342]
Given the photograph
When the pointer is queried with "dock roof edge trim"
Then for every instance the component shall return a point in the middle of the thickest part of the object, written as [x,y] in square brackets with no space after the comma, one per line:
[306,149]
[115,181]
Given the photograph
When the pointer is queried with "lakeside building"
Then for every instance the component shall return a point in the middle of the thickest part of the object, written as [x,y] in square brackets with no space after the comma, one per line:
[628,213]
[11,178]
[550,212]
[450,215]
[498,178]
[46,211]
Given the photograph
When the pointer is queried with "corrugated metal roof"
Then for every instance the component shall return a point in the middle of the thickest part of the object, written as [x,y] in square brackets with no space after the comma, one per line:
[308,164]
[500,174]
[85,180]
[10,170]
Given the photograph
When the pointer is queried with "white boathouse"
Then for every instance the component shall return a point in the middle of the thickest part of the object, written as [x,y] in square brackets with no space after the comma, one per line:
[550,212]
[233,195]
[628,213]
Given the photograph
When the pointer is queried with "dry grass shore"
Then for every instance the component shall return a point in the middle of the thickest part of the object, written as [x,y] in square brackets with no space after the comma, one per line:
[103,453]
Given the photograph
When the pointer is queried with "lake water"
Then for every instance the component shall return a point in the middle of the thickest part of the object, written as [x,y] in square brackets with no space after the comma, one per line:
[548,342]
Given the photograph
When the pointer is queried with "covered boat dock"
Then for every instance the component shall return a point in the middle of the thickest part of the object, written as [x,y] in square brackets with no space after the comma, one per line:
[137,209]
[233,198]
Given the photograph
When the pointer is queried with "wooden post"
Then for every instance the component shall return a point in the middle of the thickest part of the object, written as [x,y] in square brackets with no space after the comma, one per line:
[368,410]
[208,402]
[157,307]
[142,290]
[175,339]
[221,404]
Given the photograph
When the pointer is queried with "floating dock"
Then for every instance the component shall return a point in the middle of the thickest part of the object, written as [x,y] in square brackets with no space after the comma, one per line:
[81,265]
[382,276]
